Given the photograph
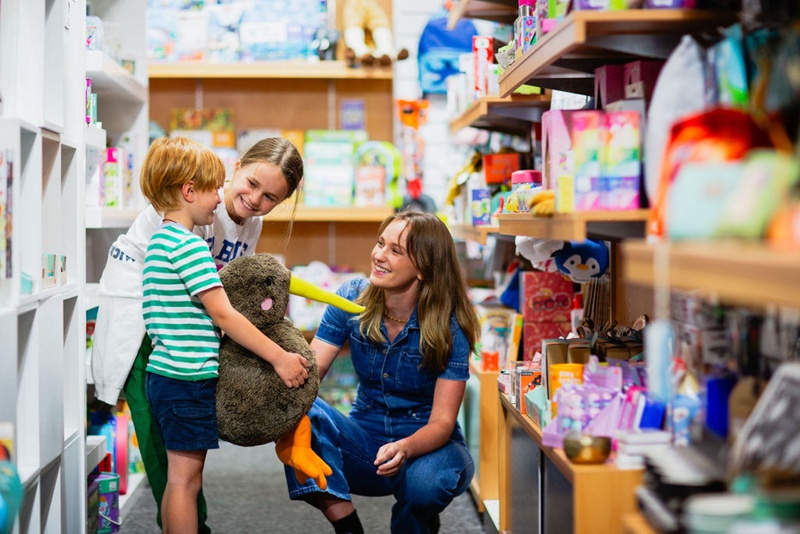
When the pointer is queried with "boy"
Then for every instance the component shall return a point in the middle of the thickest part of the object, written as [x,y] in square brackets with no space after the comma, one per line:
[184,306]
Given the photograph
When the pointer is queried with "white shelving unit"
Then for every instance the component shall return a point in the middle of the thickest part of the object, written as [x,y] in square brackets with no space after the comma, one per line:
[122,109]
[42,137]
[44,146]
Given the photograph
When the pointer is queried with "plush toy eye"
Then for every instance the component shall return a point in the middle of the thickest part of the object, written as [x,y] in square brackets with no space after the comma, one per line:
[269,281]
[593,265]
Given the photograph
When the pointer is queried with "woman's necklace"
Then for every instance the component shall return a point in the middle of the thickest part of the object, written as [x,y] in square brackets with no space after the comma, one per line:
[395,319]
[169,220]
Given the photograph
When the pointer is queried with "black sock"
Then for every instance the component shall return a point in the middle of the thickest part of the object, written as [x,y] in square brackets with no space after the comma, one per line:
[350,524]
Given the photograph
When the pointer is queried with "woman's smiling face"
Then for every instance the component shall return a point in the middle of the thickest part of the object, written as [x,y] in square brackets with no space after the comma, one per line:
[392,267]
[255,190]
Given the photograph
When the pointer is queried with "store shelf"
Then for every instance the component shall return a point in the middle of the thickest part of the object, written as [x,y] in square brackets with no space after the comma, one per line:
[502,11]
[110,217]
[565,58]
[611,225]
[468,232]
[733,271]
[283,213]
[510,114]
[95,137]
[589,513]
[95,452]
[110,81]
[337,70]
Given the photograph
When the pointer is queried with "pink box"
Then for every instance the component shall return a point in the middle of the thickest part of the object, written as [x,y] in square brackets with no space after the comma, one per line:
[534,332]
[639,78]
[546,297]
[608,85]
[556,146]
[621,177]
[588,150]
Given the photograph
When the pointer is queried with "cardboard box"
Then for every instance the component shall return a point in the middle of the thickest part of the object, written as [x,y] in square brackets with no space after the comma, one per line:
[546,297]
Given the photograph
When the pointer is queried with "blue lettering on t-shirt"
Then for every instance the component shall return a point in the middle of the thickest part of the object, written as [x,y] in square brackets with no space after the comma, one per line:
[210,242]
[117,254]
[230,251]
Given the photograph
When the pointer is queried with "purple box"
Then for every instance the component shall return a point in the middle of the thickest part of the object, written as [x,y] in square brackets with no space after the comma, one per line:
[108,492]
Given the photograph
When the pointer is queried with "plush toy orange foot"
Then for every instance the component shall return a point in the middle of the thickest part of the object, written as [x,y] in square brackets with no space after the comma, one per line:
[294,449]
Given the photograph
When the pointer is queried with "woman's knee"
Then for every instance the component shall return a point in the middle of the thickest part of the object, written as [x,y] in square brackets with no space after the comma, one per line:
[432,481]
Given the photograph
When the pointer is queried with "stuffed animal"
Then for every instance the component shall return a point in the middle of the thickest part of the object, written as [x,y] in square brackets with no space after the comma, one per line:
[254,406]
[580,260]
[363,18]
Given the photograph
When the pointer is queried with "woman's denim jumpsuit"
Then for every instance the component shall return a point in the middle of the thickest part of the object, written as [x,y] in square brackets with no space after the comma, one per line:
[393,401]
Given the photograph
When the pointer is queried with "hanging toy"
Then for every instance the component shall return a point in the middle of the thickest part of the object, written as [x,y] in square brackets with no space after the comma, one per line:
[579,260]
[582,261]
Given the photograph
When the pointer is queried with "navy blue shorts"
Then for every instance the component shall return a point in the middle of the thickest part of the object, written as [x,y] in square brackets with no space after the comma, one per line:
[185,412]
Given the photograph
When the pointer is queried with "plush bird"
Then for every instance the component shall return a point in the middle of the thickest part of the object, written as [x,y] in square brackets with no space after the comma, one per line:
[582,261]
[254,406]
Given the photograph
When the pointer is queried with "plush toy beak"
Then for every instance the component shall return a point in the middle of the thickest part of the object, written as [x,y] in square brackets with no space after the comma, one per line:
[301,288]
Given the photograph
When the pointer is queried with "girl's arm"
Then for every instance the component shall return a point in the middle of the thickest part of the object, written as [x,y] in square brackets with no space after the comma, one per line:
[325,353]
[447,397]
[291,367]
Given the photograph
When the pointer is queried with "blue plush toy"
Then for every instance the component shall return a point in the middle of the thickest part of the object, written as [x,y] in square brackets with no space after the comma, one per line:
[582,261]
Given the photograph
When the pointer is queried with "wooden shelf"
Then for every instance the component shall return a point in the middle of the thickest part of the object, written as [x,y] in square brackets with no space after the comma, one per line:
[337,70]
[590,512]
[510,114]
[484,486]
[283,213]
[749,273]
[467,232]
[502,11]
[612,225]
[565,58]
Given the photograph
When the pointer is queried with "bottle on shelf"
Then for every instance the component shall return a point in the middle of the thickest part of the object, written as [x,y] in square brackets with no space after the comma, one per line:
[524,27]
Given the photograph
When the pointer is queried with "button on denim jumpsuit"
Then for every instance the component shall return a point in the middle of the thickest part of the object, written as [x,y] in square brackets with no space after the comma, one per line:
[394,400]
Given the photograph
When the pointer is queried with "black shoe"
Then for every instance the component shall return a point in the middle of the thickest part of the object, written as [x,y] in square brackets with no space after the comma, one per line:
[434,524]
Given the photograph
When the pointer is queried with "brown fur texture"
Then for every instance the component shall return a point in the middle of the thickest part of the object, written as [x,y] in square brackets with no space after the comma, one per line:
[254,406]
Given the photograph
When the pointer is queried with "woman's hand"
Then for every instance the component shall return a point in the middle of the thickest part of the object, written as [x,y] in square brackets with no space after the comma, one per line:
[390,458]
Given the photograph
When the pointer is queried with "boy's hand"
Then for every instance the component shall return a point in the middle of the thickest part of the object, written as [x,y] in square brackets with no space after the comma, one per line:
[292,368]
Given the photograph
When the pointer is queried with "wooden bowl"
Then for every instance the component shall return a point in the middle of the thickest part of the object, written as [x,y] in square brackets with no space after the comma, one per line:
[583,448]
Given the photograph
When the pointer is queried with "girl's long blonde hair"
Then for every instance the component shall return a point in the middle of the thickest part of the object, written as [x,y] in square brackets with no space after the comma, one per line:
[442,290]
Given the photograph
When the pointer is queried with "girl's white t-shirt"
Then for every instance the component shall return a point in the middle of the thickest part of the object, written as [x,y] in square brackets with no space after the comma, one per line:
[119,328]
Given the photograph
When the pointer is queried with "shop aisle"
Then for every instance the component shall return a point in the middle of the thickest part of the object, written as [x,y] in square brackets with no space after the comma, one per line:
[246,492]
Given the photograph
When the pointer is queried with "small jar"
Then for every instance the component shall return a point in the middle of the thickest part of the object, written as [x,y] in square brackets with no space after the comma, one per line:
[523,184]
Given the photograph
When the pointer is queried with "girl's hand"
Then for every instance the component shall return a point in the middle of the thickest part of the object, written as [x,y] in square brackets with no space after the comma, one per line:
[390,458]
[292,368]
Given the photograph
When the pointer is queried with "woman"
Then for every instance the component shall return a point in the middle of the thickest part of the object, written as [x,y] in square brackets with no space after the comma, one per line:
[411,350]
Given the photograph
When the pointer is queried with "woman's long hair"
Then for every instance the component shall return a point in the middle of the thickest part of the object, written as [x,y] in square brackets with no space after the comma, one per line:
[442,290]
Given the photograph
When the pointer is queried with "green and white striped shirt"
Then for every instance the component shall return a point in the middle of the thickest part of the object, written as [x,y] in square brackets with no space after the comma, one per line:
[177,266]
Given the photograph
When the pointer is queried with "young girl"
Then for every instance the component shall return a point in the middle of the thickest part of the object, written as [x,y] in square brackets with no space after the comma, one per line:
[266,175]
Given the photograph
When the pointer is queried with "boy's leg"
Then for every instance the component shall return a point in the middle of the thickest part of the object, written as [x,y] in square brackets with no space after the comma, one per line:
[154,455]
[180,497]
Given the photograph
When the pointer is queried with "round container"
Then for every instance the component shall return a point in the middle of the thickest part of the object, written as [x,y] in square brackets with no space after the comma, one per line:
[714,513]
